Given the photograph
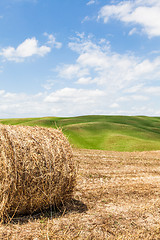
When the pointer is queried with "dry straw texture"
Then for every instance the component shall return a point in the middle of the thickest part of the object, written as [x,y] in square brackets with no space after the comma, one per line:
[36,169]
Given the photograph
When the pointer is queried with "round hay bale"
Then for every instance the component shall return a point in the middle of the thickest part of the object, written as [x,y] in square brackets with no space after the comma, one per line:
[36,169]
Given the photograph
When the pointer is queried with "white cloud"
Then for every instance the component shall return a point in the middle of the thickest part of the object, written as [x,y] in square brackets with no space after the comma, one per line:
[115,11]
[100,81]
[152,90]
[74,95]
[133,98]
[2,92]
[62,102]
[134,89]
[123,78]
[84,80]
[144,13]
[73,101]
[114,105]
[19,105]
[139,98]
[25,105]
[29,48]
[26,49]
[70,71]
[97,64]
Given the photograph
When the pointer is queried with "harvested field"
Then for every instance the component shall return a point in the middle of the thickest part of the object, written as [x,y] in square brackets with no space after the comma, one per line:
[117,197]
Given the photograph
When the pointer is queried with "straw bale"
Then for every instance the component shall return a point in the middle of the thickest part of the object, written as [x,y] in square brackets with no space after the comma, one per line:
[36,169]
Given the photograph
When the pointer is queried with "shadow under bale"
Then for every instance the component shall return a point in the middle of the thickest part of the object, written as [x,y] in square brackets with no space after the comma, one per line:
[70,206]
[36,170]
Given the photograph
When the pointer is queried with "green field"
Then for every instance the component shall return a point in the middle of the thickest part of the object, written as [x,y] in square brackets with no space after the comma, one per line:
[117,133]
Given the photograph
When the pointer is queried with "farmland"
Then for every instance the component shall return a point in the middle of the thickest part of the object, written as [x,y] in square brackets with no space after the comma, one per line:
[118,180]
[117,197]
[113,133]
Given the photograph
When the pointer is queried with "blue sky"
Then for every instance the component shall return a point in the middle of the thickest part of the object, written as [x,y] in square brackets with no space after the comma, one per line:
[70,58]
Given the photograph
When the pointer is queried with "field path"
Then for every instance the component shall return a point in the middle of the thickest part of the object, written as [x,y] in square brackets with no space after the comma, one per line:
[117,197]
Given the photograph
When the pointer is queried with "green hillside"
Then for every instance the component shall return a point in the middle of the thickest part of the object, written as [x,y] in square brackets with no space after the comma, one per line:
[117,133]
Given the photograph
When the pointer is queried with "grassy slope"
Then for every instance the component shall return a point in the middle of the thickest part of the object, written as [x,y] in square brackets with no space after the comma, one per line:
[117,133]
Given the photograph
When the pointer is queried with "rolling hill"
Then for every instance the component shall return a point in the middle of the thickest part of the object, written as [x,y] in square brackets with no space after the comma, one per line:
[114,133]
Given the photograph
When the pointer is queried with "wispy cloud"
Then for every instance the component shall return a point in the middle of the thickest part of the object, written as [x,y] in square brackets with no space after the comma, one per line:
[52,41]
[143,13]
[133,31]
[85,19]
[48,85]
[91,2]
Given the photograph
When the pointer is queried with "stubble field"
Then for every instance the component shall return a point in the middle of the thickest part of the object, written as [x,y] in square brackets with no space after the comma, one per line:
[117,197]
